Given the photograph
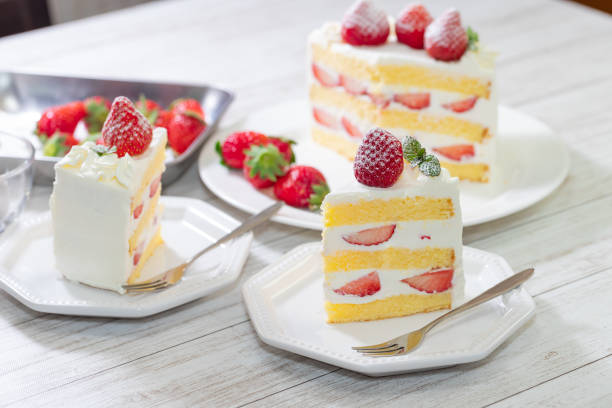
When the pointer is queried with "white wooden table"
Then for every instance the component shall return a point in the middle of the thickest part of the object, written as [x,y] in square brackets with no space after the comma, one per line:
[556,64]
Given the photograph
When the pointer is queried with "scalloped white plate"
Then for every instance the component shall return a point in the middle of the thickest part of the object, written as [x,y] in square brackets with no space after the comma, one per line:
[285,302]
[533,162]
[27,270]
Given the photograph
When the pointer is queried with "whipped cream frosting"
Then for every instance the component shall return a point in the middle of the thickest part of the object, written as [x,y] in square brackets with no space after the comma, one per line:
[408,234]
[124,172]
[479,63]
[91,212]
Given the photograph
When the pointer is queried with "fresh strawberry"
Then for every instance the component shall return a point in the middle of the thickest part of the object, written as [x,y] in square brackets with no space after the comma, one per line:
[371,236]
[97,108]
[411,24]
[413,100]
[126,128]
[379,161]
[149,108]
[456,152]
[284,146]
[365,286]
[431,282]
[100,140]
[183,129]
[353,86]
[232,149]
[302,186]
[350,128]
[138,211]
[364,24]
[380,100]
[58,145]
[264,165]
[63,118]
[163,118]
[190,107]
[445,38]
[461,106]
[325,118]
[324,76]
[154,186]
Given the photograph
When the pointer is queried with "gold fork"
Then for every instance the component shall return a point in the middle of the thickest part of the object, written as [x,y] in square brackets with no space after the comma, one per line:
[173,275]
[409,341]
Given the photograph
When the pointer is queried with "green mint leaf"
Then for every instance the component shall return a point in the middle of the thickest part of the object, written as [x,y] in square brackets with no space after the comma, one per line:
[430,166]
[413,151]
[472,39]
[101,150]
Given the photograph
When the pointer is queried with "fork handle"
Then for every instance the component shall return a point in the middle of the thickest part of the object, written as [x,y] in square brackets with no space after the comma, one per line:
[248,225]
[502,287]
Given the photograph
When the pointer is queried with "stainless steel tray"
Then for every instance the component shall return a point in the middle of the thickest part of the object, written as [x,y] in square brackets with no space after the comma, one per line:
[23,96]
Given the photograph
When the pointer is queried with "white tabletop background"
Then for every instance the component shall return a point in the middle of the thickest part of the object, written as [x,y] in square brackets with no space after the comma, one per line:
[555,64]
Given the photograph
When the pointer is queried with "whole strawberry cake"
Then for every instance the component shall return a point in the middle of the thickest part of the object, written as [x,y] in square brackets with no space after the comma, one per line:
[412,73]
[392,238]
[104,205]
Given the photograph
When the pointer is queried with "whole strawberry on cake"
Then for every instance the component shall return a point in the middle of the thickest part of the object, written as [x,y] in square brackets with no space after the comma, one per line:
[104,205]
[392,238]
[415,74]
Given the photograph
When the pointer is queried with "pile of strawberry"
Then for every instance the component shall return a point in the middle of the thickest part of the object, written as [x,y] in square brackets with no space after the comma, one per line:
[443,38]
[184,120]
[266,161]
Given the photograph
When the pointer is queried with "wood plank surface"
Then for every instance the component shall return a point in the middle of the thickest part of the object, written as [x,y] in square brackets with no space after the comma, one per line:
[555,64]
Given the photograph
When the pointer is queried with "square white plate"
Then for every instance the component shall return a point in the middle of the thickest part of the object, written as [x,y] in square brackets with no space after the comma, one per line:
[27,270]
[285,302]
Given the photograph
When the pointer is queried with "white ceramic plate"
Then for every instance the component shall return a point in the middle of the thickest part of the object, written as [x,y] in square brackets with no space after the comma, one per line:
[285,302]
[28,274]
[533,161]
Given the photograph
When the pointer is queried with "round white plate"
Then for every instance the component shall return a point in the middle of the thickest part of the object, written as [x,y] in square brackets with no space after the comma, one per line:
[533,161]
[28,274]
[285,302]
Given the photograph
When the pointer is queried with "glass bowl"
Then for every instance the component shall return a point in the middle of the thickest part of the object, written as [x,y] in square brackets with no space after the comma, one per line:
[16,173]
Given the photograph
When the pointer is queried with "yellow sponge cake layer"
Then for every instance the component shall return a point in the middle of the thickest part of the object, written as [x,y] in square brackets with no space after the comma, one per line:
[335,142]
[393,306]
[398,118]
[156,167]
[144,222]
[396,74]
[146,254]
[468,171]
[390,258]
[395,209]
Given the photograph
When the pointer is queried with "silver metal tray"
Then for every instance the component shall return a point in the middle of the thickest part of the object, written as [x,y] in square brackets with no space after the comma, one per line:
[23,96]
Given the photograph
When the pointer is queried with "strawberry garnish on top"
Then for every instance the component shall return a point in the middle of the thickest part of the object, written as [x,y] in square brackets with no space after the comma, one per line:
[149,108]
[97,108]
[431,282]
[379,161]
[126,128]
[462,105]
[411,24]
[302,186]
[365,286]
[364,24]
[445,38]
[63,119]
[263,165]
[371,236]
[232,150]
